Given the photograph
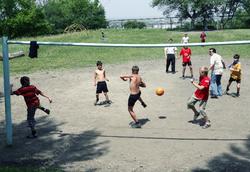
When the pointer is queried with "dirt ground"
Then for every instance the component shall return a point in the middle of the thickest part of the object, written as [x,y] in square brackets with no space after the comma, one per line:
[79,136]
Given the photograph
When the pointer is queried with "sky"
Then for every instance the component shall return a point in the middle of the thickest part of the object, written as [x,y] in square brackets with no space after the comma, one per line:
[130,9]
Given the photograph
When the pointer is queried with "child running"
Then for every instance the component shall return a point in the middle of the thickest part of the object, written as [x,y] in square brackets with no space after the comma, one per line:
[135,93]
[235,69]
[100,83]
[30,92]
[200,95]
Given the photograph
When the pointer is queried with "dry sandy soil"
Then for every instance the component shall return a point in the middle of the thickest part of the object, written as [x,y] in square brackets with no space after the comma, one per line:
[79,136]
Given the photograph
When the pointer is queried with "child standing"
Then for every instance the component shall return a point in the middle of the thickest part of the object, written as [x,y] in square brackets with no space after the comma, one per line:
[200,95]
[235,69]
[170,53]
[186,60]
[135,93]
[30,92]
[100,82]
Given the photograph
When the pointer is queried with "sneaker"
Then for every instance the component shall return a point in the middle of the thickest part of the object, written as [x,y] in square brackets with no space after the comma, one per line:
[96,103]
[143,104]
[238,95]
[136,125]
[214,97]
[47,111]
[108,101]
[207,124]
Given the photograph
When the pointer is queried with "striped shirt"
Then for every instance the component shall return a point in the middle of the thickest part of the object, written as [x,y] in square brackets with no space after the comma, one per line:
[29,94]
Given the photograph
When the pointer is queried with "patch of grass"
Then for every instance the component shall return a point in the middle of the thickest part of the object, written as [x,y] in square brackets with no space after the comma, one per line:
[57,57]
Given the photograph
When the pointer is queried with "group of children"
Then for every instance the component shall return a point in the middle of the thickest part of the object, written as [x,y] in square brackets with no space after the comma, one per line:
[30,92]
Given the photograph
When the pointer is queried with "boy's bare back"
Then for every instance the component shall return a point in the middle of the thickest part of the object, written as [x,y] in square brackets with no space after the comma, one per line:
[135,83]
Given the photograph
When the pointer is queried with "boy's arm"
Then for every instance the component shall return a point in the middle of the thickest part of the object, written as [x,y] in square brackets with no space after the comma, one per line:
[42,94]
[125,77]
[104,74]
[165,52]
[95,74]
[200,87]
[142,84]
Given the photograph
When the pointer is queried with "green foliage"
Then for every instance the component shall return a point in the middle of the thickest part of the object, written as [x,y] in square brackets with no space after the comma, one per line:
[63,13]
[25,18]
[134,25]
[22,18]
[199,11]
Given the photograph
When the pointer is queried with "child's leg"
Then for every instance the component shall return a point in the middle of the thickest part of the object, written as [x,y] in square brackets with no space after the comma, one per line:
[238,89]
[228,85]
[97,98]
[132,114]
[142,102]
[183,71]
[191,105]
[106,96]
[44,109]
[191,71]
[31,119]
[167,63]
[173,64]
[202,107]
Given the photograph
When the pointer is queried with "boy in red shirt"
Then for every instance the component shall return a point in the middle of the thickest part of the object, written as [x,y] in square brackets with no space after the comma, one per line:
[201,96]
[186,60]
[30,92]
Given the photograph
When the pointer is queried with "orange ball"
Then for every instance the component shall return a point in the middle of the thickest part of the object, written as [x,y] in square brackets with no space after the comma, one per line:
[159,91]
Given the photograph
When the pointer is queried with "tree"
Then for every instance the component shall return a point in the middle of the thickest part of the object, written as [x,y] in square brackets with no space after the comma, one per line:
[227,10]
[22,18]
[188,9]
[63,13]
[204,10]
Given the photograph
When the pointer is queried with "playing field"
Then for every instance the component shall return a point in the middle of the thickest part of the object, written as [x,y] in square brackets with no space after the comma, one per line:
[79,136]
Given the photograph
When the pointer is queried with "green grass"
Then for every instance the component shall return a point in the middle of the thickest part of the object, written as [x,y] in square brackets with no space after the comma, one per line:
[57,57]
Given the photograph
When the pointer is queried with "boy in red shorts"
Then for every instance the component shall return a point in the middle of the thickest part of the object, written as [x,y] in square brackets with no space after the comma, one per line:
[200,95]
[30,92]
[186,60]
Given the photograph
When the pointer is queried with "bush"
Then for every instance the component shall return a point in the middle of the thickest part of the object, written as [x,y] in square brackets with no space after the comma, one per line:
[134,25]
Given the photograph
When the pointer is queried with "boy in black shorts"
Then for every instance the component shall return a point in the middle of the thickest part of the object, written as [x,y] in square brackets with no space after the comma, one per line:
[135,93]
[100,83]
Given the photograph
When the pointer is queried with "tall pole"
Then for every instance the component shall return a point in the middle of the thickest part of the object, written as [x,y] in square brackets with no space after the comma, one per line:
[6,73]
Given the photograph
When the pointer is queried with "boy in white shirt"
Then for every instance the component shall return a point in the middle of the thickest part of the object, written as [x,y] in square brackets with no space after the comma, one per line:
[170,54]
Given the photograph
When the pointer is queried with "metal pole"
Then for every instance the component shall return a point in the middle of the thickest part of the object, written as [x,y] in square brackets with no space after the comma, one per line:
[6,74]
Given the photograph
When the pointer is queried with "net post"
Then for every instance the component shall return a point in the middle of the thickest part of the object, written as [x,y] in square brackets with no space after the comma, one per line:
[8,118]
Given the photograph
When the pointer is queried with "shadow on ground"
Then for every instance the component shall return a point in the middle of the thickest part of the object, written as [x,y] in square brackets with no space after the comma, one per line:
[52,148]
[238,160]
